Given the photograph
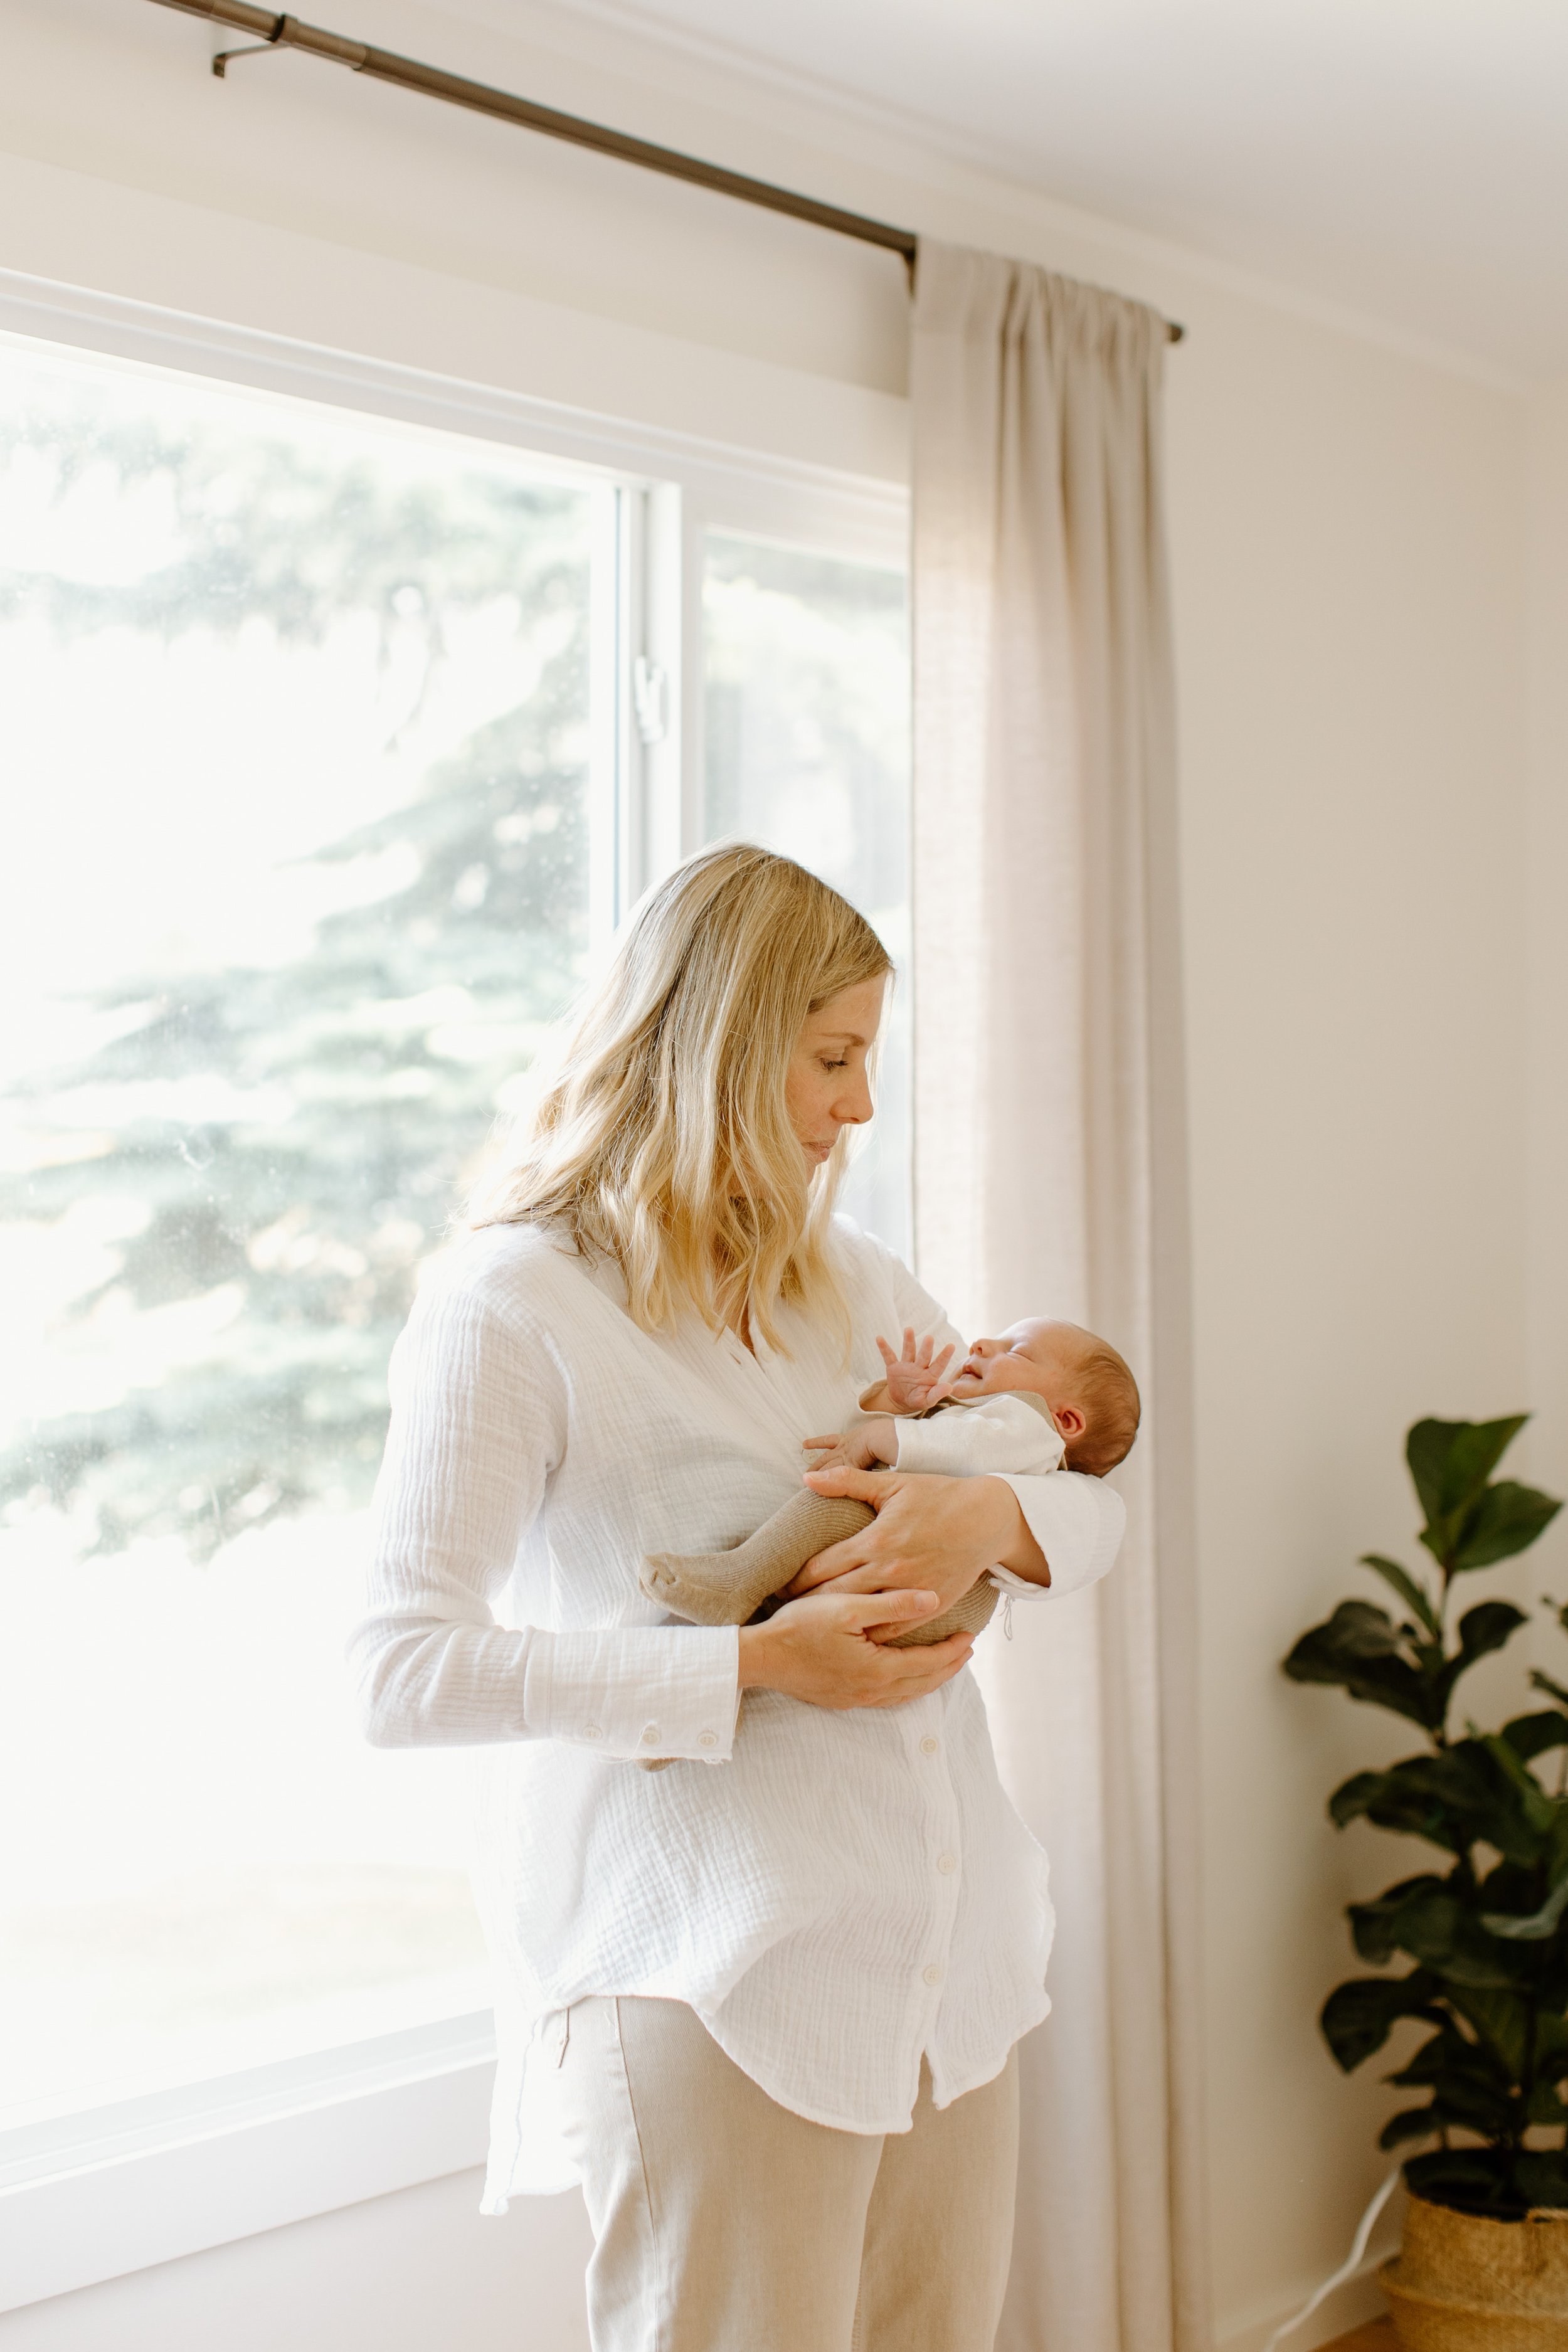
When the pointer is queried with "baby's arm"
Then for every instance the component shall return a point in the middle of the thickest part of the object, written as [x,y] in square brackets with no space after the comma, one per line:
[974,1441]
[871,1445]
[1005,1433]
[913,1380]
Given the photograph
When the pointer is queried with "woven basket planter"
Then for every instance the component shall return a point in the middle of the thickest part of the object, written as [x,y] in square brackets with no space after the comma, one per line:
[1464,2284]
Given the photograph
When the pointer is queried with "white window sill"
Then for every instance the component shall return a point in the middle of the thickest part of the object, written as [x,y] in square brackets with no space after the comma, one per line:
[95,2196]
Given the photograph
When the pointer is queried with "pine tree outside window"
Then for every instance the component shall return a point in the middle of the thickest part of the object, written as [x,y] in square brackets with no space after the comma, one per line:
[333,750]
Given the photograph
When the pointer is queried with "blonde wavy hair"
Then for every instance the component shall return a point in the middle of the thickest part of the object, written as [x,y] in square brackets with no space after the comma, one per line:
[660,1136]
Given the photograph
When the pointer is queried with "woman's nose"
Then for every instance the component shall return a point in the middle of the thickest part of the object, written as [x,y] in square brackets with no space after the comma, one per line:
[855,1106]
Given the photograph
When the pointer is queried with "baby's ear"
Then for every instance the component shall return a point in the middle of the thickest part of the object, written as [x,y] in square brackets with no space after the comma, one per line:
[1069,1421]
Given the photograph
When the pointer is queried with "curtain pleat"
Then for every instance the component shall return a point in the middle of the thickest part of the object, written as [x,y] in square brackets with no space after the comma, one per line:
[1050,1178]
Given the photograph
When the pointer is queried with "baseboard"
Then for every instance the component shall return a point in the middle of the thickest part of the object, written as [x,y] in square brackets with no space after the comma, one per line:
[1351,2305]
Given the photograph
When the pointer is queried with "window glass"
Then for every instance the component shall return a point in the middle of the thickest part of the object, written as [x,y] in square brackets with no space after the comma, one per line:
[806,749]
[294,713]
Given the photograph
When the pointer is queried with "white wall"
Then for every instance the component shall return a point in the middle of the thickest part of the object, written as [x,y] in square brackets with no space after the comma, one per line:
[1548,881]
[1349,536]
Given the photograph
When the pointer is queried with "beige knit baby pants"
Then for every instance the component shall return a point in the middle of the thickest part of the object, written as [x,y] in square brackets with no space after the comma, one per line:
[724,2222]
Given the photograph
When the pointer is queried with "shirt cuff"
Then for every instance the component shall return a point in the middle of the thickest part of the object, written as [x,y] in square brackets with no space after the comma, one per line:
[912,1438]
[1078,1523]
[638,1690]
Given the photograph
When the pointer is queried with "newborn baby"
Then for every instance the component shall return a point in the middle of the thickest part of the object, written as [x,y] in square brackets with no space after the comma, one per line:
[1041,1393]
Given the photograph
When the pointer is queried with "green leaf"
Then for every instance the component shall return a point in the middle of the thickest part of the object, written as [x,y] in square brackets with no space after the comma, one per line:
[1410,1592]
[1534,1929]
[1449,2058]
[1481,1630]
[1475,2179]
[1530,1736]
[1359,1650]
[1419,1916]
[1451,1799]
[1494,2122]
[1410,1799]
[1507,1519]
[1412,2122]
[1504,2020]
[1544,1683]
[1450,1461]
[1538,1810]
[1541,2175]
[1359,2016]
[1546,2106]
[1429,1920]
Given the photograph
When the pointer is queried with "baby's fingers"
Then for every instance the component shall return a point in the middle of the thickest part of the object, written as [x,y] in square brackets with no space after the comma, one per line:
[820,1444]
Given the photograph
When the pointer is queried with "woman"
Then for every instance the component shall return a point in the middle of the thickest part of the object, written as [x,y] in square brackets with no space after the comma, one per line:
[763,2004]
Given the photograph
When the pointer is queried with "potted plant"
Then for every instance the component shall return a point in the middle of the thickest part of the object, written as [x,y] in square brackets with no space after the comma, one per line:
[1484,1939]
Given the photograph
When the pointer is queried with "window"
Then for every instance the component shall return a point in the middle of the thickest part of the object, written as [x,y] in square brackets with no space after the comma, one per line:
[299,709]
[334,748]
[805,744]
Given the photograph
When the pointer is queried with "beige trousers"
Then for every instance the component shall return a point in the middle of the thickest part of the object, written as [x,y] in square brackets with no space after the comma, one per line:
[724,2223]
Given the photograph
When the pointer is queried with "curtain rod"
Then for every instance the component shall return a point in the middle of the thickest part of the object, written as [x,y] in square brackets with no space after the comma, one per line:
[284,32]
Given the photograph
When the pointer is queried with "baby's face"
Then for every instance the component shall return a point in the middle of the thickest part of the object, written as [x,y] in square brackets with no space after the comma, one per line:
[1036,1354]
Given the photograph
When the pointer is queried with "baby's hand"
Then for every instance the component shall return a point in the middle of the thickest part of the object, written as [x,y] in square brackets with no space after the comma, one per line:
[870,1448]
[914,1378]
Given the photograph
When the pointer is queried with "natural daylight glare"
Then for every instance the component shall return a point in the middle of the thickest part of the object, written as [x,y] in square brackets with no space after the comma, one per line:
[301,724]
[295,719]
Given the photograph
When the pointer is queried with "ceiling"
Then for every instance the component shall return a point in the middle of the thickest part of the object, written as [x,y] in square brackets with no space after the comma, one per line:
[1407,159]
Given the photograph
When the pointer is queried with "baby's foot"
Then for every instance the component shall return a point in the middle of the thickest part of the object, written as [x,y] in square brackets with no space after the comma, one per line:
[700,1586]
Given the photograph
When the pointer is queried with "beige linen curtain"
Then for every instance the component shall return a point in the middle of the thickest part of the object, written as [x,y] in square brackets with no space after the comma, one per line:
[1050,1156]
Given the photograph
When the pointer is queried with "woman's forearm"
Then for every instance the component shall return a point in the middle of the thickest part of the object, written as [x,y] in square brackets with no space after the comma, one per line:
[1018,1549]
[432,1681]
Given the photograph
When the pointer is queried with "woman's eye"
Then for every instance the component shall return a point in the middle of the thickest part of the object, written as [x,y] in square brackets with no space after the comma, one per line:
[836,1065]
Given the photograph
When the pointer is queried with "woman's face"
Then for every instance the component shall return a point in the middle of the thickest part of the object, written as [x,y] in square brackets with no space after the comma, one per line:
[827,1088]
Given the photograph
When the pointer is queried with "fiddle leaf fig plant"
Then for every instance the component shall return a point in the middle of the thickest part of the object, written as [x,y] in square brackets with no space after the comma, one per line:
[1483,1940]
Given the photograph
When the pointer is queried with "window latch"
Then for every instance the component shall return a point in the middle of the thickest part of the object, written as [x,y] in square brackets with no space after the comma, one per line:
[650,699]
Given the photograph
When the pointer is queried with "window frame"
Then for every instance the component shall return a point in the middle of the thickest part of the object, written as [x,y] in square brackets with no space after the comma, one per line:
[103,2193]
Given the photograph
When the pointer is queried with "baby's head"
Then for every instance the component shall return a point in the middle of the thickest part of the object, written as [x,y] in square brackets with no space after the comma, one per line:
[1092,1395]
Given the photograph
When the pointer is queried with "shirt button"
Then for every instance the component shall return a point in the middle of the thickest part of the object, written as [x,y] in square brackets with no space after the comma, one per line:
[929,1745]
[651,1734]
[946,1862]
[931,1975]
[592,1731]
[708,1739]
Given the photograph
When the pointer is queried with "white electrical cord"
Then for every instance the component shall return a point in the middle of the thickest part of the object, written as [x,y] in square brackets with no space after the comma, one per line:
[1347,2269]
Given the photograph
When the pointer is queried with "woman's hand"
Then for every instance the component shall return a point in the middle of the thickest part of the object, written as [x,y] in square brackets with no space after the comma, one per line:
[820,1650]
[930,1534]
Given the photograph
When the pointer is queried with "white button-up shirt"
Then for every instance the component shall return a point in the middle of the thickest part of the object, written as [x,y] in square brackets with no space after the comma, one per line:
[847,1892]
